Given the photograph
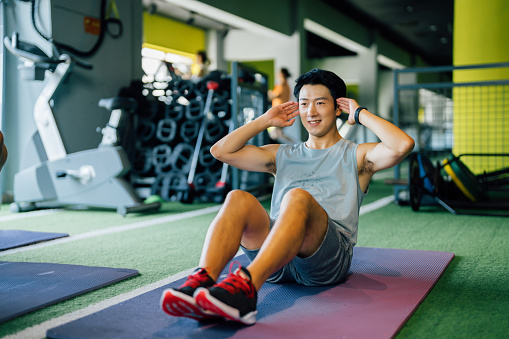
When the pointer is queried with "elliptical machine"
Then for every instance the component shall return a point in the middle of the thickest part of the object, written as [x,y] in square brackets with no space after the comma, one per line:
[91,178]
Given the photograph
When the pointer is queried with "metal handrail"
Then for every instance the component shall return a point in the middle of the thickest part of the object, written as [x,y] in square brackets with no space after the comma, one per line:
[450,68]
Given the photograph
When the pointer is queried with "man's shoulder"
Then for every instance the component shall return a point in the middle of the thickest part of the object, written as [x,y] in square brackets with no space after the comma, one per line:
[363,148]
[273,148]
[288,151]
[291,148]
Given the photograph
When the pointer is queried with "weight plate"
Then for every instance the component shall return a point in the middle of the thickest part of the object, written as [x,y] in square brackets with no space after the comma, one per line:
[161,155]
[205,158]
[166,130]
[194,110]
[189,130]
[464,179]
[214,130]
[174,112]
[181,157]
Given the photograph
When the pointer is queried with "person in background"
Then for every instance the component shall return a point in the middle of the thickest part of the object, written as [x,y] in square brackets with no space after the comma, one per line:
[280,94]
[200,68]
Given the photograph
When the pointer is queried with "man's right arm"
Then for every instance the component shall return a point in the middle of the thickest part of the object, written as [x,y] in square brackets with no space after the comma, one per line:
[232,149]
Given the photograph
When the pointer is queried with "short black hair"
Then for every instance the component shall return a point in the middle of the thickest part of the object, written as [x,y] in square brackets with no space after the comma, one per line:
[203,55]
[329,79]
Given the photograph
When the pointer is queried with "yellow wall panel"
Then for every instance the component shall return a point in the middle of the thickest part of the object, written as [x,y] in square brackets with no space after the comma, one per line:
[164,32]
[481,113]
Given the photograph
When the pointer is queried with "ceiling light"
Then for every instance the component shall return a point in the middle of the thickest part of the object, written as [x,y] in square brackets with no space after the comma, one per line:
[388,62]
[214,13]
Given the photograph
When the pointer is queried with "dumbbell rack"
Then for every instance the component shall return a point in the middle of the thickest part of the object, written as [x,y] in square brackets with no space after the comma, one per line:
[167,131]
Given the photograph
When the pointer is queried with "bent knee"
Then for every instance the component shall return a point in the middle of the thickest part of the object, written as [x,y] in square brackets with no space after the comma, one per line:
[298,195]
[298,200]
[241,198]
[239,194]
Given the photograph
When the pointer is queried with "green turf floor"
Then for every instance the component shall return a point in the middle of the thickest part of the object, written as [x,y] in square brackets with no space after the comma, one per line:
[469,301]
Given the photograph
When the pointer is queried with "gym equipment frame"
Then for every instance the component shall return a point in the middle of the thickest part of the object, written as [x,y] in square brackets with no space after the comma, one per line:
[459,110]
[464,192]
[91,178]
[249,101]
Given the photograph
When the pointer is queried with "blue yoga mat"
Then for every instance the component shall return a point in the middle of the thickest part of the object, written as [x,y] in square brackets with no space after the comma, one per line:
[383,290]
[26,287]
[17,238]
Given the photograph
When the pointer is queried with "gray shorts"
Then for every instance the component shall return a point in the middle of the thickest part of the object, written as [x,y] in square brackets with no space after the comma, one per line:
[328,265]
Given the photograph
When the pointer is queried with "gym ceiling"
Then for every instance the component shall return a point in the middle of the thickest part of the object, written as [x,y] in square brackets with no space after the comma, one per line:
[420,26]
[423,26]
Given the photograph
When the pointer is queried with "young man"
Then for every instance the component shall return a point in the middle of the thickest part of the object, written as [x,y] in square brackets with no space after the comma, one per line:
[319,187]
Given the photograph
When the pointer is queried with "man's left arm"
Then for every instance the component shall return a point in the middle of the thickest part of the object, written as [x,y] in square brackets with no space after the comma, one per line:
[394,144]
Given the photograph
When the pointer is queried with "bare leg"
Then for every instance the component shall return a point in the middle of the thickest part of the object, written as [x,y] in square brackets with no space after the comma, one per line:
[299,230]
[242,219]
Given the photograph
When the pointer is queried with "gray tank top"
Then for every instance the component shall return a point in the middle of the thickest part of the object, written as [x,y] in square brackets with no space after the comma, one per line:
[329,175]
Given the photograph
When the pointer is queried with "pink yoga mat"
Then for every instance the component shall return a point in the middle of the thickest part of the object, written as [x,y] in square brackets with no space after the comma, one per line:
[384,290]
[385,287]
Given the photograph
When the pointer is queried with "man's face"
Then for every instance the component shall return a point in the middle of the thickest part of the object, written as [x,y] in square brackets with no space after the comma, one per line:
[316,109]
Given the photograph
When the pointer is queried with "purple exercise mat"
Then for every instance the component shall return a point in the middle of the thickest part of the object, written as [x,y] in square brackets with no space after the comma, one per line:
[385,287]
[17,238]
[28,286]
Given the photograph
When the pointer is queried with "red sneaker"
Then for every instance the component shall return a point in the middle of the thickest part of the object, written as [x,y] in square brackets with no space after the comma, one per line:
[234,298]
[181,303]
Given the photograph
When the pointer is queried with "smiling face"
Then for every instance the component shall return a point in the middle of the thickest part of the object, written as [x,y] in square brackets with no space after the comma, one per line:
[317,111]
